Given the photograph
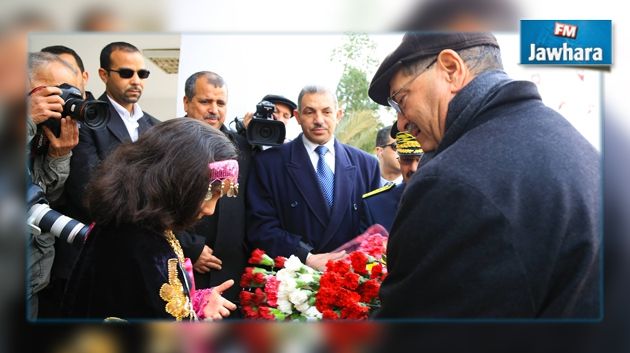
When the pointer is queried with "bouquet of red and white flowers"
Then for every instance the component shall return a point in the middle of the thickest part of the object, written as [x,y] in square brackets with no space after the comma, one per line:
[286,289]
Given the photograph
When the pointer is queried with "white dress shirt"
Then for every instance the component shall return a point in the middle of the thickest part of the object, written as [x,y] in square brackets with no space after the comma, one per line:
[329,157]
[130,120]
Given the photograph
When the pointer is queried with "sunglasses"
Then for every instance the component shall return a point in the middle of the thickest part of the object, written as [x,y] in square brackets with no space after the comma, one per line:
[392,145]
[128,73]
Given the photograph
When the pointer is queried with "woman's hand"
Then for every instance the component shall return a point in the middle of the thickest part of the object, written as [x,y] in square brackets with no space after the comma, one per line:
[218,307]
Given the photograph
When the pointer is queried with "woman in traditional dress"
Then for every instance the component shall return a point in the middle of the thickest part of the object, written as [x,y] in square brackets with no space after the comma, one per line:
[132,265]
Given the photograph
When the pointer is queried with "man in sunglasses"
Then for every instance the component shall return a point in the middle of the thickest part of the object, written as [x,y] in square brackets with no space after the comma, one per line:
[385,152]
[504,220]
[124,72]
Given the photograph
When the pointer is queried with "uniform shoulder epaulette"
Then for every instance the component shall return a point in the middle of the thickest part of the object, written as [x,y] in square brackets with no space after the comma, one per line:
[379,190]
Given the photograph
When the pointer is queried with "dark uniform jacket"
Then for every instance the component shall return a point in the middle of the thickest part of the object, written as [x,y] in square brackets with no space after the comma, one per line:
[504,220]
[381,205]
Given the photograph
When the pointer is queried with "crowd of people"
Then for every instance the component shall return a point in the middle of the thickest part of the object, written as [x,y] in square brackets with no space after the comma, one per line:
[492,199]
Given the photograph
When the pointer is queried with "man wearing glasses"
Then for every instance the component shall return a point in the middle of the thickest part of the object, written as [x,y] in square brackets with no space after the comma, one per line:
[124,72]
[385,152]
[504,220]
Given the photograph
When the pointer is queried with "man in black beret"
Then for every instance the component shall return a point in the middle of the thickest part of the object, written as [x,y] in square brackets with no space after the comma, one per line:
[504,220]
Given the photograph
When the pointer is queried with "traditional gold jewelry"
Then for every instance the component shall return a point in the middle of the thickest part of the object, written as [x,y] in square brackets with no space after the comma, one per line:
[174,243]
[177,303]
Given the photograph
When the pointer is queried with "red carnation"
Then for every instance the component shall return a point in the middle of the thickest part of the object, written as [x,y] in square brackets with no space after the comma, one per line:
[259,296]
[359,261]
[330,315]
[369,290]
[250,312]
[279,261]
[256,257]
[265,313]
[351,280]
[376,271]
[247,277]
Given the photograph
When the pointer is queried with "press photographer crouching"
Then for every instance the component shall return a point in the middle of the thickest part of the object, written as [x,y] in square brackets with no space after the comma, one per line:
[54,107]
[267,126]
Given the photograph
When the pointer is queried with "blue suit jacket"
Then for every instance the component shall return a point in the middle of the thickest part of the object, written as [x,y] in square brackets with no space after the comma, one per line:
[286,210]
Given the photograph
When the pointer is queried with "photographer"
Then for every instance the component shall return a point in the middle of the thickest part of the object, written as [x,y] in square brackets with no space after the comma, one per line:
[49,157]
[50,154]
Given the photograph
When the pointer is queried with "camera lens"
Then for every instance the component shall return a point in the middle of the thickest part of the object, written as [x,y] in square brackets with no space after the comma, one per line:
[64,227]
[265,132]
[94,114]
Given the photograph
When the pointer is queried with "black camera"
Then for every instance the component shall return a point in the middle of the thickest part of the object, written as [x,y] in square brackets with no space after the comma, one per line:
[93,114]
[264,129]
[41,218]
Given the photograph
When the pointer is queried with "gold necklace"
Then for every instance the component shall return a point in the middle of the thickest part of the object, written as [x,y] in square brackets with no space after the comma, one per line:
[177,302]
[174,243]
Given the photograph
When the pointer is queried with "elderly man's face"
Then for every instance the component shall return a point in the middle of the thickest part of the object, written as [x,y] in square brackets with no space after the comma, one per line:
[423,99]
[209,104]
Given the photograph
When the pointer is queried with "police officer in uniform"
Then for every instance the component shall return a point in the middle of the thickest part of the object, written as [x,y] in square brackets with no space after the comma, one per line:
[381,204]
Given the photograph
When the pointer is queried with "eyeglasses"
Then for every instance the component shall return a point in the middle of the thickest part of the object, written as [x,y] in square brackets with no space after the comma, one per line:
[392,102]
[128,73]
[392,145]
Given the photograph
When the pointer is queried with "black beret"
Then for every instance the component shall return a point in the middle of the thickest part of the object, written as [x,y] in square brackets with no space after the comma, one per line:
[274,98]
[394,130]
[416,45]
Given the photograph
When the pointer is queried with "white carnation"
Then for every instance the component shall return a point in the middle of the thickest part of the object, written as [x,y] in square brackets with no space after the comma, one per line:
[293,264]
[312,313]
[303,307]
[298,296]
[285,306]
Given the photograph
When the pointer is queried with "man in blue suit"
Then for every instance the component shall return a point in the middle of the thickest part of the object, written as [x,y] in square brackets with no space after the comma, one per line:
[304,197]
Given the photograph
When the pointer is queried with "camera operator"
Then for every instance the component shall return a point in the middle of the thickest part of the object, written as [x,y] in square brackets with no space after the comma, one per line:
[283,111]
[49,157]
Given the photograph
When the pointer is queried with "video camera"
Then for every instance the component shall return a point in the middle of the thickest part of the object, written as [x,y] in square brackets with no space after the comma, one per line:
[93,114]
[264,129]
[41,219]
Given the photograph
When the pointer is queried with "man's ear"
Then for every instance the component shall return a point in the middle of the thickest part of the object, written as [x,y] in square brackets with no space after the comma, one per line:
[339,114]
[102,73]
[454,69]
[297,116]
[86,77]
[185,104]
